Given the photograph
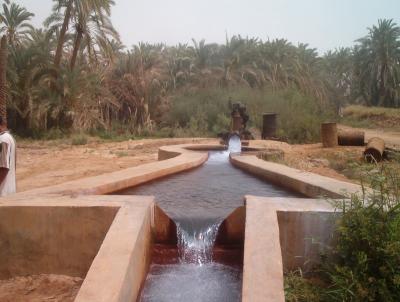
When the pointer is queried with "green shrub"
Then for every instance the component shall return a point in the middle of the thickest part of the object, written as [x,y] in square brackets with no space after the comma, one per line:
[208,110]
[367,265]
[79,139]
[299,289]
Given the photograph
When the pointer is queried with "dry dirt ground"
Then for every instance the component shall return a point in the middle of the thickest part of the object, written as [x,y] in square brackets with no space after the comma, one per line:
[45,163]
[40,288]
[41,164]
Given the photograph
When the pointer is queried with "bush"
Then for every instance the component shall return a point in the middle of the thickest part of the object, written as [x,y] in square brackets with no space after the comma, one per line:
[365,264]
[79,139]
[299,289]
[208,111]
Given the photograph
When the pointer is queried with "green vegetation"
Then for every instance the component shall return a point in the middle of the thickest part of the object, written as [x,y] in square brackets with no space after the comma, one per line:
[75,75]
[299,289]
[365,264]
[207,110]
[79,140]
[372,117]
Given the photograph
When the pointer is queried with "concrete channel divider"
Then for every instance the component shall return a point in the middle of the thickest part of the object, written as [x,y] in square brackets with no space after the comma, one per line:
[172,160]
[269,237]
[309,184]
[103,239]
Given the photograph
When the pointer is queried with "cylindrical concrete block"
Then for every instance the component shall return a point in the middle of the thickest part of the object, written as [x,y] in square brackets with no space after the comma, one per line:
[269,125]
[374,149]
[351,138]
[329,135]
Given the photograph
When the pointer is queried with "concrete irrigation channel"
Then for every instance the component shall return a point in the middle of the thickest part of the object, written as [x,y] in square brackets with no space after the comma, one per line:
[87,229]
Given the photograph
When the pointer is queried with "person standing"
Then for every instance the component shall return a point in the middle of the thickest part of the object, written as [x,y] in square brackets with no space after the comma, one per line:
[7,161]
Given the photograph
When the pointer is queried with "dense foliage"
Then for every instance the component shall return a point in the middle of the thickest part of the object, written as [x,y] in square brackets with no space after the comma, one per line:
[365,265]
[74,73]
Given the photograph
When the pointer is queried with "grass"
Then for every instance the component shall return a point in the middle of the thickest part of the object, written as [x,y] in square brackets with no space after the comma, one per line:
[79,139]
[300,289]
[372,117]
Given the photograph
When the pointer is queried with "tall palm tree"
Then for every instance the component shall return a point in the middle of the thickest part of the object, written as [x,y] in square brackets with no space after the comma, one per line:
[379,55]
[15,22]
[92,32]
[64,27]
[89,20]
[3,67]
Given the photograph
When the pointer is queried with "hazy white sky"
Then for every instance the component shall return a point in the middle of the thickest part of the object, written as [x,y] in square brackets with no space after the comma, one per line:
[324,24]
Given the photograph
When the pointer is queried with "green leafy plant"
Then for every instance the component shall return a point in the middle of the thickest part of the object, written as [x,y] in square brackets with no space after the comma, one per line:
[367,254]
[365,261]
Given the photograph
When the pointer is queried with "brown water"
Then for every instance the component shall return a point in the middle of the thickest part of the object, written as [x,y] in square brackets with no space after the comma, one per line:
[198,201]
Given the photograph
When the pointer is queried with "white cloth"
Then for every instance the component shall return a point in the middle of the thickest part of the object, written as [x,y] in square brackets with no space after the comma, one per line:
[8,161]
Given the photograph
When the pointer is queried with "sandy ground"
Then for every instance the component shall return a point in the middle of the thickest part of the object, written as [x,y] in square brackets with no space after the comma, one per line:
[41,164]
[40,288]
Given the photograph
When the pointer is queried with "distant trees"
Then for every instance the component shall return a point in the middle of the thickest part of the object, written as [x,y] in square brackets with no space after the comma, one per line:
[74,72]
[14,22]
[377,65]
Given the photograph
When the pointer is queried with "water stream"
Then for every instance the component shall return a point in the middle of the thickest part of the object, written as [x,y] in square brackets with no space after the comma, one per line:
[198,201]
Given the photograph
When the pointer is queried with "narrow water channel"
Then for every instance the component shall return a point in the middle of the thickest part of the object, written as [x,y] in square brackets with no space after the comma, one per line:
[198,201]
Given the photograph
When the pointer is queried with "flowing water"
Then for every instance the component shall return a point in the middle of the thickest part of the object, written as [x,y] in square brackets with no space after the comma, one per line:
[198,201]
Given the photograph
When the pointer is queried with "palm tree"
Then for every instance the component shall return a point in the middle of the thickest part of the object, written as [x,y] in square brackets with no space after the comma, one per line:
[3,67]
[91,21]
[56,16]
[15,19]
[91,24]
[378,56]
[202,53]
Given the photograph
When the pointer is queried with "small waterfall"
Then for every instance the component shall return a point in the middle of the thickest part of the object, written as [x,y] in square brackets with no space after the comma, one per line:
[196,238]
[196,242]
[234,145]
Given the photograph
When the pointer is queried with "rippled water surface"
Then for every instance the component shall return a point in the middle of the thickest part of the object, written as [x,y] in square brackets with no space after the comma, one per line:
[207,193]
[211,282]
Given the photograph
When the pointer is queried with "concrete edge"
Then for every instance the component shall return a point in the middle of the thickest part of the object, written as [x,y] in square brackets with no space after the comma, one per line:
[263,274]
[120,266]
[309,184]
[123,259]
[172,159]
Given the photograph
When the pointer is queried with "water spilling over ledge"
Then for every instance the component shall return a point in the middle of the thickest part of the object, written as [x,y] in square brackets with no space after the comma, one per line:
[199,201]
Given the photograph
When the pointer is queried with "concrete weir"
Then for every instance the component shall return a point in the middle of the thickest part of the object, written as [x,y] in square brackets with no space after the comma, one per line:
[76,229]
